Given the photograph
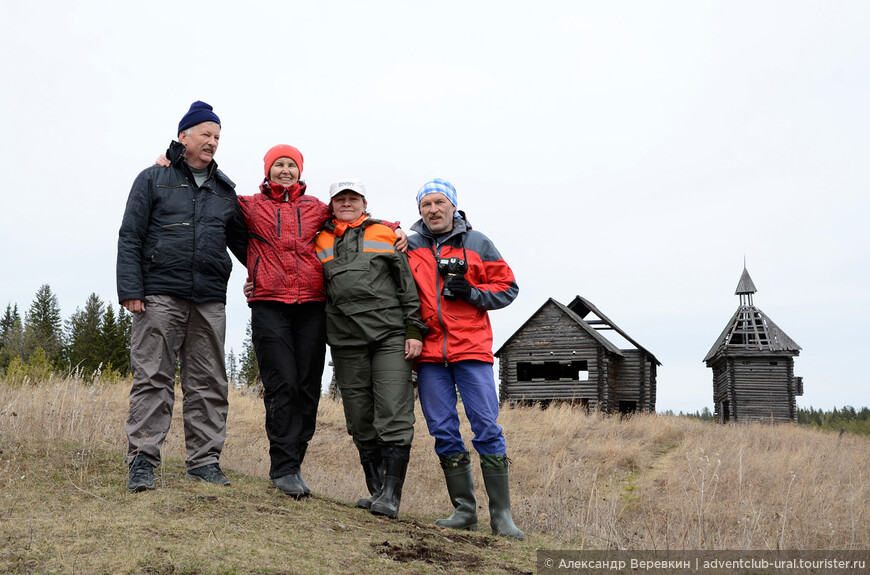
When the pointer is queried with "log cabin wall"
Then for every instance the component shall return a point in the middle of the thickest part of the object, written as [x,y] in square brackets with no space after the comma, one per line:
[632,380]
[548,339]
[763,385]
[754,388]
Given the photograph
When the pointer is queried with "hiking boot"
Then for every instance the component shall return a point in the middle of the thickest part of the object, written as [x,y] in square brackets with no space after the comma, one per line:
[209,473]
[290,485]
[141,475]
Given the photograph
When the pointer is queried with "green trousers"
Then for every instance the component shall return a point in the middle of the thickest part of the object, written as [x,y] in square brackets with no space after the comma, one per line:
[376,391]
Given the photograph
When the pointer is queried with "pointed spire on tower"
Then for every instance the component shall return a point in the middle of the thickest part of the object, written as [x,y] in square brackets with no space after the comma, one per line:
[745,287]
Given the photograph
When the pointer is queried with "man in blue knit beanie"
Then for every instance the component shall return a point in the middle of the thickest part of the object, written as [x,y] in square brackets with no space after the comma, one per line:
[172,275]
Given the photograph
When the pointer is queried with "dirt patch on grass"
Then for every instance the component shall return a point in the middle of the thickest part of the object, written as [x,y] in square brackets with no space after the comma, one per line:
[427,551]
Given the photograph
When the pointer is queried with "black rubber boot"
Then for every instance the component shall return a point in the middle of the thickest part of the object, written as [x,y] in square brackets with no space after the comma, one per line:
[370,459]
[460,487]
[495,478]
[394,465]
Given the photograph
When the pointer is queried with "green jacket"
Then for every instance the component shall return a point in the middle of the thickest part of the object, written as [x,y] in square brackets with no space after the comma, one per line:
[370,292]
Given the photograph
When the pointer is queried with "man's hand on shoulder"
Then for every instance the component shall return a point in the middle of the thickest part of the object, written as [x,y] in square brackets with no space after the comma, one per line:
[402,241]
[162,160]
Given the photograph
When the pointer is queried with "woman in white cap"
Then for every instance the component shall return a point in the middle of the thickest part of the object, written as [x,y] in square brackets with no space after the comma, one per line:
[374,332]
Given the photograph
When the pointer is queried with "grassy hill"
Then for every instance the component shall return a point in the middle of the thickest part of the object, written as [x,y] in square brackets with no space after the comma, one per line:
[579,482]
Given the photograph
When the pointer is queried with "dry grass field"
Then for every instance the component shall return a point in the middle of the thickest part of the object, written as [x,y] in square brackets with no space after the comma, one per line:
[579,482]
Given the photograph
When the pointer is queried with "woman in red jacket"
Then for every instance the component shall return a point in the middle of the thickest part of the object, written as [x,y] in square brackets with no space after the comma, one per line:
[288,325]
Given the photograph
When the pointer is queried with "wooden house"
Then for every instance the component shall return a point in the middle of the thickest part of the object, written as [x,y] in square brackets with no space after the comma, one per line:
[561,354]
[753,366]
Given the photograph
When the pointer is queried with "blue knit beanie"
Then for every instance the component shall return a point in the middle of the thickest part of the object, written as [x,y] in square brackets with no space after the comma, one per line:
[199,112]
[438,186]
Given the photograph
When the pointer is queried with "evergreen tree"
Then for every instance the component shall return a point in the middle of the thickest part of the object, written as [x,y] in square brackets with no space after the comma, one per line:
[11,336]
[8,322]
[125,323]
[84,351]
[43,325]
[232,368]
[249,370]
[115,340]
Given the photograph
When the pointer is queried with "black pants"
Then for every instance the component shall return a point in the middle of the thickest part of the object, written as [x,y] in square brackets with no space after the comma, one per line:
[290,342]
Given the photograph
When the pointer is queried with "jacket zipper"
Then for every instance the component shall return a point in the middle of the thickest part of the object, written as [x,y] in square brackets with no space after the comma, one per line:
[254,277]
[438,296]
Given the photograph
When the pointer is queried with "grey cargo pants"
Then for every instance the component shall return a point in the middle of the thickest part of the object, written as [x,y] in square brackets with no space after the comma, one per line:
[171,328]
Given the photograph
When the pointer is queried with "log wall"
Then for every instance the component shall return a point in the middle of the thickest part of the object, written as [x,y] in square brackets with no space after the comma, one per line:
[756,388]
[632,380]
[550,336]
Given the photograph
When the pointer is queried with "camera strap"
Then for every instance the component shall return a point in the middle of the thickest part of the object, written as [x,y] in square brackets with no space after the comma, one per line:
[437,256]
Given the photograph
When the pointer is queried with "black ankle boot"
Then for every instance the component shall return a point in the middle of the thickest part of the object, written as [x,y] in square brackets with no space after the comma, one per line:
[394,465]
[370,459]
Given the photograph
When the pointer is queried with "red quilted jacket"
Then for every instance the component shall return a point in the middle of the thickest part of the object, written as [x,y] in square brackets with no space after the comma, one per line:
[282,224]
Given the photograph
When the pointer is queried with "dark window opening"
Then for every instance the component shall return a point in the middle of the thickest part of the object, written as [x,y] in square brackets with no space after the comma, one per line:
[553,371]
[724,412]
[626,407]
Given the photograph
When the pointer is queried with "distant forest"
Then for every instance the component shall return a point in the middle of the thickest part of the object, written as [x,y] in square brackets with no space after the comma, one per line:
[848,419]
[93,342]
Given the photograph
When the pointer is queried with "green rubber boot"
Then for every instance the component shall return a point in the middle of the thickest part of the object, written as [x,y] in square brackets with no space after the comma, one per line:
[495,478]
[460,487]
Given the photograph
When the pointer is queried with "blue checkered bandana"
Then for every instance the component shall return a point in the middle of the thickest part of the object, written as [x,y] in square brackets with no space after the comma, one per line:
[438,186]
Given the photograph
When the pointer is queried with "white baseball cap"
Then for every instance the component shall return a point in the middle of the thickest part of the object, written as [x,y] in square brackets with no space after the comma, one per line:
[347,185]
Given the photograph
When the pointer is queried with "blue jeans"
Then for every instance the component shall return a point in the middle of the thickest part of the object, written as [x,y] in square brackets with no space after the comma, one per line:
[437,387]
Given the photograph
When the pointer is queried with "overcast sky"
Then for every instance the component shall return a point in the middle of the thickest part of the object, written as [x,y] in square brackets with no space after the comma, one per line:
[633,153]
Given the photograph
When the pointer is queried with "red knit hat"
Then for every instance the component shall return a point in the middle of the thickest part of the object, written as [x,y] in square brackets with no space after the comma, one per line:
[282,151]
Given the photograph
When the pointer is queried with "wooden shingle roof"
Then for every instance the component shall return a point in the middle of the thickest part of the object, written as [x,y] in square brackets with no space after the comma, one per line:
[576,311]
[751,330]
[582,307]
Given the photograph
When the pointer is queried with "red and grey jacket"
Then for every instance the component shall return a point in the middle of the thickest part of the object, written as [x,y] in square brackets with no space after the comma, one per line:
[282,223]
[459,330]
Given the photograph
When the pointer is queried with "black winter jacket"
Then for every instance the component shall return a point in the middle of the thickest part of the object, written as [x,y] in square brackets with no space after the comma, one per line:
[174,236]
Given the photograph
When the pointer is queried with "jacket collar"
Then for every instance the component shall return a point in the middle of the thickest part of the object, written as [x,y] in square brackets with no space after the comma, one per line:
[175,154]
[460,226]
[281,193]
